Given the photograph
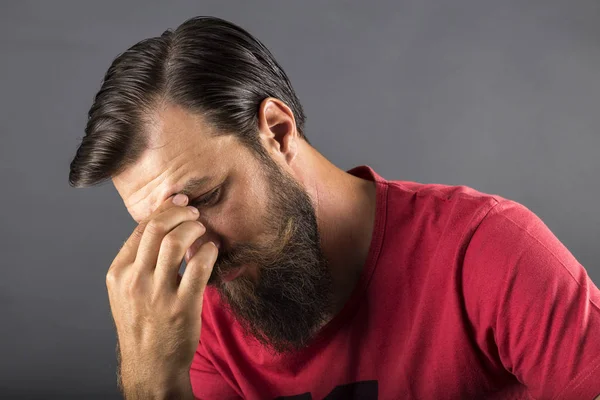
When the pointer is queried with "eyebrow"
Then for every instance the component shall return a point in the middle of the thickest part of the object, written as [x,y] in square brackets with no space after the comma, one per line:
[193,185]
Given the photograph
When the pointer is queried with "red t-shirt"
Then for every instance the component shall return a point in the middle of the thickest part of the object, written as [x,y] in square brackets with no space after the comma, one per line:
[463,295]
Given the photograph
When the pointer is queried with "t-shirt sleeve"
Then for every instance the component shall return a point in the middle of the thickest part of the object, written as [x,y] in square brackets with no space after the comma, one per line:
[207,383]
[524,289]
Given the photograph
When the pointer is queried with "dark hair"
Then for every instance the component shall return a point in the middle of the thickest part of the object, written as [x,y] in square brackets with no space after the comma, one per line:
[207,65]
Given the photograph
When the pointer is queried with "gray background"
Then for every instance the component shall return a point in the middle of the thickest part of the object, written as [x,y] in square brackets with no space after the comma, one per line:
[501,96]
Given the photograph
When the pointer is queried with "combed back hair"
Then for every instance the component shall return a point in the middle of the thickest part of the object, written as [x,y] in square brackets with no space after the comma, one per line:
[208,66]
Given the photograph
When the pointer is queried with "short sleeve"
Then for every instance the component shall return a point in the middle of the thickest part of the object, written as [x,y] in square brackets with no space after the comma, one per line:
[526,290]
[207,383]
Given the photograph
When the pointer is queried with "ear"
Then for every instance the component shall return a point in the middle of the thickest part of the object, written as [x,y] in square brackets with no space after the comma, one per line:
[277,129]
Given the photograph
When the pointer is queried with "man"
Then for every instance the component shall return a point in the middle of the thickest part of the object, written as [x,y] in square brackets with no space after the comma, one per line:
[304,281]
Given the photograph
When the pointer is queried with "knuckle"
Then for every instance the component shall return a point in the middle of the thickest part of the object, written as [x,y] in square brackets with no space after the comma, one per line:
[156,227]
[193,228]
[199,227]
[133,287]
[201,262]
[113,275]
[196,227]
[111,279]
[171,243]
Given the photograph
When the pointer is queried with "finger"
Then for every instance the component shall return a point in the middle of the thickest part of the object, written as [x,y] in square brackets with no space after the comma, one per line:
[197,272]
[194,248]
[128,251]
[172,250]
[156,231]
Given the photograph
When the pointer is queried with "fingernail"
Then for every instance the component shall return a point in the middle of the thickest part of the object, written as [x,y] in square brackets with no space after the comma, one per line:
[180,199]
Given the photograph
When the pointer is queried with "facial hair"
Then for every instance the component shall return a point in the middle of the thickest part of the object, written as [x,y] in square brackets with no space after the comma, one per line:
[292,297]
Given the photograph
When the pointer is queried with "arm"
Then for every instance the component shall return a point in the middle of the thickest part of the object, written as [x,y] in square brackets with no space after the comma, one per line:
[163,388]
[172,387]
[526,291]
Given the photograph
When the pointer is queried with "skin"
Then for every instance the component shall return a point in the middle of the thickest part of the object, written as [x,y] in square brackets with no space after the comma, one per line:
[144,276]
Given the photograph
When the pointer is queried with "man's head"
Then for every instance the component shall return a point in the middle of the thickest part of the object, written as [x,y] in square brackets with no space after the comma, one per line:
[207,111]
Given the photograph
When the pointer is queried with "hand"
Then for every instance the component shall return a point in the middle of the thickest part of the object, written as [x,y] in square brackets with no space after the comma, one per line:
[156,311]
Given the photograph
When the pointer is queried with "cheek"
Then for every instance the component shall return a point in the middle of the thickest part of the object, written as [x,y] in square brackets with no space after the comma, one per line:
[240,217]
[239,220]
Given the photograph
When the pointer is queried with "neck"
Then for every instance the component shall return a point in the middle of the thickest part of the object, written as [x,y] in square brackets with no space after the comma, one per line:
[345,209]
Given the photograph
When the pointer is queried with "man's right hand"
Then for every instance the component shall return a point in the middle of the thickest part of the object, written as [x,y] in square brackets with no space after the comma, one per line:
[156,311]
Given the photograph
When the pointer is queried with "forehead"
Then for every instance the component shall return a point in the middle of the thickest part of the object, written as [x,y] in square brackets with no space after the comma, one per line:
[181,146]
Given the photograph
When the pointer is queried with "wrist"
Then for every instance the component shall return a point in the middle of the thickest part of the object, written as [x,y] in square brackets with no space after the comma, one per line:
[165,385]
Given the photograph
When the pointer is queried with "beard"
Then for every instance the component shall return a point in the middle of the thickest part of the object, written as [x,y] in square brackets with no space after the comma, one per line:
[292,296]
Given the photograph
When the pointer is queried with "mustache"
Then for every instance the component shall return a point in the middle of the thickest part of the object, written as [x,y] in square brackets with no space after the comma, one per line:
[246,253]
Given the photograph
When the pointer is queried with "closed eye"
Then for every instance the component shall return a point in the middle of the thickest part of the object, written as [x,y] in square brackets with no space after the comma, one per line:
[208,199]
